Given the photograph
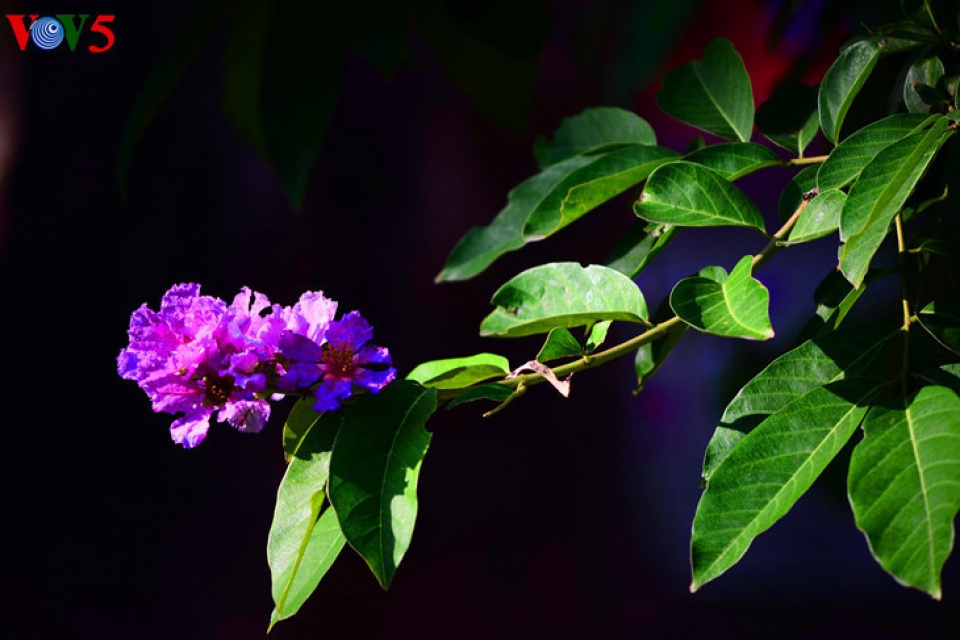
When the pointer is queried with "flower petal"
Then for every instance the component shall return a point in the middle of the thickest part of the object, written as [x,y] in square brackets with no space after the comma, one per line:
[330,393]
[191,429]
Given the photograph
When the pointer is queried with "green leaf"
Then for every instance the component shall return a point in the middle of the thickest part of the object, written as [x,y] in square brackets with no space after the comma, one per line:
[843,80]
[299,421]
[712,93]
[638,247]
[541,200]
[686,194]
[562,294]
[853,154]
[456,373]
[592,131]
[162,80]
[374,470]
[243,48]
[789,117]
[652,355]
[792,195]
[298,90]
[560,343]
[303,542]
[882,189]
[771,467]
[851,352]
[495,392]
[820,217]
[941,318]
[734,306]
[903,485]
[925,71]
[609,175]
[597,335]
[947,375]
[733,160]
[834,297]
[953,172]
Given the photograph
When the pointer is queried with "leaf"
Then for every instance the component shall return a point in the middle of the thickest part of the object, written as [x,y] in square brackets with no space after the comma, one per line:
[947,375]
[162,80]
[298,90]
[249,25]
[562,294]
[941,319]
[597,335]
[733,306]
[733,160]
[834,297]
[686,194]
[853,154]
[840,85]
[789,117]
[903,485]
[545,193]
[299,421]
[882,189]
[303,542]
[769,469]
[925,71]
[456,373]
[610,175]
[560,343]
[953,172]
[820,217]
[851,352]
[496,392]
[638,247]
[792,195]
[712,93]
[374,470]
[592,131]
[651,356]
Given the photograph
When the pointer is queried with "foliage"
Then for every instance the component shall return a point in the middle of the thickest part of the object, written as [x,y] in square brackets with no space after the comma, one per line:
[884,193]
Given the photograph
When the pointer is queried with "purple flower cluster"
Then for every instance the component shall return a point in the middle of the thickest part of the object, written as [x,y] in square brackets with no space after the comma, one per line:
[198,355]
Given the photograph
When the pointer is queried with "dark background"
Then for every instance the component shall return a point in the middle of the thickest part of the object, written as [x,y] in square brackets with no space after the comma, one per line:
[554,519]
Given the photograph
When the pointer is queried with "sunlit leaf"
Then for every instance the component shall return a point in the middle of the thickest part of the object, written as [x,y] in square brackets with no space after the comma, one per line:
[303,542]
[841,84]
[820,217]
[734,306]
[904,488]
[298,423]
[686,194]
[374,470]
[562,294]
[851,352]
[759,481]
[713,93]
[733,160]
[456,373]
[592,131]
[560,343]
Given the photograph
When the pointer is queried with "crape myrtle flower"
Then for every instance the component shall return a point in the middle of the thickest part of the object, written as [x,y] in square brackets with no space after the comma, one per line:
[198,356]
[336,359]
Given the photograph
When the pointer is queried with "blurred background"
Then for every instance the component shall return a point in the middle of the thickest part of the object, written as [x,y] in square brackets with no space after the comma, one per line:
[124,172]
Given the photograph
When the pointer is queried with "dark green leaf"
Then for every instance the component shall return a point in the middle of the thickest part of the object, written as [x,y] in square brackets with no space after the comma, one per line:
[802,183]
[638,247]
[298,90]
[789,117]
[592,131]
[942,319]
[820,217]
[162,80]
[299,421]
[733,160]
[652,355]
[953,172]
[562,294]
[734,306]
[712,94]
[456,373]
[243,68]
[686,194]
[769,469]
[496,392]
[947,375]
[560,343]
[843,80]
[303,543]
[851,352]
[883,187]
[925,71]
[853,154]
[374,470]
[903,485]
[609,175]
[834,296]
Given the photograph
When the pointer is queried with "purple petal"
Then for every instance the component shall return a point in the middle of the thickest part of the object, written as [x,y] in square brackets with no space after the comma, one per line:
[372,354]
[373,381]
[352,329]
[330,393]
[247,416]
[296,347]
[311,315]
[299,376]
[191,429]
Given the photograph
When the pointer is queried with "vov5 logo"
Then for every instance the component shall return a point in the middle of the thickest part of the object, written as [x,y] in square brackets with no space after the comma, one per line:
[49,32]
